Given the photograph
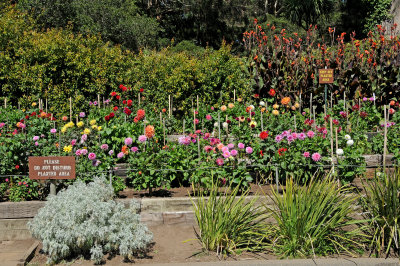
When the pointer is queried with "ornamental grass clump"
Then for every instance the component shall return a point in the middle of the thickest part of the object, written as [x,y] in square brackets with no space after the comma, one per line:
[315,220]
[228,224]
[84,219]
[381,204]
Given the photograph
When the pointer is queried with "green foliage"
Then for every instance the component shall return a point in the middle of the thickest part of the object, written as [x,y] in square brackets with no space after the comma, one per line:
[84,220]
[228,224]
[58,64]
[117,21]
[314,220]
[377,12]
[307,12]
[381,204]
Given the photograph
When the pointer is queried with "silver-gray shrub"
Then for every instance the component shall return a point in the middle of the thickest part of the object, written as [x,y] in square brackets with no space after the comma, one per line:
[85,219]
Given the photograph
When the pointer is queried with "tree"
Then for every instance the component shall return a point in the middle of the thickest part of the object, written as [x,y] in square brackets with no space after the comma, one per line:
[118,21]
[307,12]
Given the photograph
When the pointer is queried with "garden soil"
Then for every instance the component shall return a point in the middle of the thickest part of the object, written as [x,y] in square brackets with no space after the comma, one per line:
[173,244]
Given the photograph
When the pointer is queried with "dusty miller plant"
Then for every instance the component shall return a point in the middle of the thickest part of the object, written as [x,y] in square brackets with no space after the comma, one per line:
[85,219]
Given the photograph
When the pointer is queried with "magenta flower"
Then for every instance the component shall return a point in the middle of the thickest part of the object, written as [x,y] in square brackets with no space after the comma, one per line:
[302,136]
[36,138]
[6,179]
[134,149]
[120,155]
[234,153]
[73,142]
[365,99]
[78,152]
[142,138]
[53,130]
[104,147]
[82,114]
[36,143]
[249,150]
[285,133]
[316,157]
[231,146]
[92,156]
[83,138]
[241,146]
[128,141]
[184,140]
[196,121]
[306,154]
[220,161]
[208,117]
[111,152]
[294,135]
[310,134]
[2,125]
[290,138]
[84,151]
[278,138]
[372,99]
[226,154]
[343,114]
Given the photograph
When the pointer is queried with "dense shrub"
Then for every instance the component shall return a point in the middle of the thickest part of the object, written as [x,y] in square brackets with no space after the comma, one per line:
[84,219]
[58,64]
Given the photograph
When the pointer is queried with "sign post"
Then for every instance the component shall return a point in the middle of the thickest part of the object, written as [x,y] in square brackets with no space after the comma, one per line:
[52,168]
[325,77]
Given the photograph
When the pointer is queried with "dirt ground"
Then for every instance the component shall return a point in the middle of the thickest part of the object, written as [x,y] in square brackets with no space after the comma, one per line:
[173,243]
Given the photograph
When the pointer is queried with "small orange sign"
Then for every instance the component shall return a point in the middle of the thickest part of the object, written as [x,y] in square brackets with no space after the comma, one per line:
[52,167]
[325,76]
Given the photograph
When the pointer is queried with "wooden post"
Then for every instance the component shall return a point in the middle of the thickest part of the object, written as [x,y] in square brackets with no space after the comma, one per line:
[194,120]
[197,103]
[169,106]
[219,125]
[19,106]
[295,124]
[314,112]
[5,103]
[164,130]
[98,100]
[184,126]
[384,139]
[70,109]
[300,103]
[160,118]
[46,105]
[333,165]
[262,124]
[139,98]
[310,106]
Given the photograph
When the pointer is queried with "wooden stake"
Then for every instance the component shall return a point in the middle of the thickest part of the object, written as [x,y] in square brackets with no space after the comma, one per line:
[194,120]
[219,125]
[46,105]
[184,121]
[98,100]
[295,124]
[169,106]
[384,139]
[332,143]
[70,109]
[5,103]
[261,116]
[344,99]
[197,102]
[336,138]
[164,130]
[160,118]
[310,106]
[300,103]
[139,98]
